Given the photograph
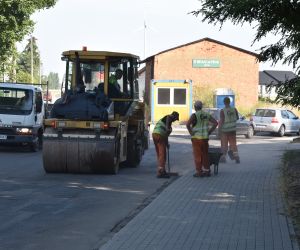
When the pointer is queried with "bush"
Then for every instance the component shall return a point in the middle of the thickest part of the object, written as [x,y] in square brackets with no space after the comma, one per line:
[205,93]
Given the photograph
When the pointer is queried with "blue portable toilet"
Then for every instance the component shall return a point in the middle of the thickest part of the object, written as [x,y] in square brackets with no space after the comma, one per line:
[219,96]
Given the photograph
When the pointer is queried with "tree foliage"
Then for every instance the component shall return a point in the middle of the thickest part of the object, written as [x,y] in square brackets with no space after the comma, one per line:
[205,93]
[15,24]
[53,80]
[24,62]
[288,93]
[280,18]
[23,67]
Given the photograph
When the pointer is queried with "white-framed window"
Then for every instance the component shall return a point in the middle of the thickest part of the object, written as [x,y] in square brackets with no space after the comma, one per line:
[171,96]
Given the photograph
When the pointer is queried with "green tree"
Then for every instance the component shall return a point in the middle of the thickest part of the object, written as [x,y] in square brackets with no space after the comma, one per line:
[24,63]
[288,93]
[15,24]
[53,80]
[205,93]
[23,76]
[269,17]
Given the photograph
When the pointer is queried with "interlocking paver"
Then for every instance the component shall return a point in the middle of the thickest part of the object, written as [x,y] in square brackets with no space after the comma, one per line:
[240,208]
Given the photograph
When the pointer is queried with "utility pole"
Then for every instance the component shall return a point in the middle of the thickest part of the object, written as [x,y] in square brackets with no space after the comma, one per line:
[145,27]
[40,69]
[31,52]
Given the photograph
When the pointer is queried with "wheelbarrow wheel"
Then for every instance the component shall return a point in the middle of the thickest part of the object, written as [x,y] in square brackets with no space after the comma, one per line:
[216,169]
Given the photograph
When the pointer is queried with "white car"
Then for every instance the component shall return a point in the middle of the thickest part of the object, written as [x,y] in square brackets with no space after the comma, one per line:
[276,120]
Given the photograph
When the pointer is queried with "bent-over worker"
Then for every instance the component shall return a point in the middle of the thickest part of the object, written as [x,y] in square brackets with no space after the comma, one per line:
[160,134]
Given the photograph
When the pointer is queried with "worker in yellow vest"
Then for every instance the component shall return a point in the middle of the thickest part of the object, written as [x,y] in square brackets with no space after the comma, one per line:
[198,127]
[160,134]
[228,117]
[113,79]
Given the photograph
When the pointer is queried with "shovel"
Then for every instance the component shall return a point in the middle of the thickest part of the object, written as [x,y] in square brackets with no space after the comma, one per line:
[169,169]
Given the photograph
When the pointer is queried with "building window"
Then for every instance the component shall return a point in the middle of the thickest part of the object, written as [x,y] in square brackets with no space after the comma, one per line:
[179,96]
[163,96]
[171,96]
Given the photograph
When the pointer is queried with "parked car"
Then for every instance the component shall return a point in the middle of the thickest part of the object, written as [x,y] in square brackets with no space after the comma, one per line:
[276,120]
[243,126]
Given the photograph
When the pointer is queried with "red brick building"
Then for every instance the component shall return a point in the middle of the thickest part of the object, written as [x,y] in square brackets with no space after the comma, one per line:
[210,62]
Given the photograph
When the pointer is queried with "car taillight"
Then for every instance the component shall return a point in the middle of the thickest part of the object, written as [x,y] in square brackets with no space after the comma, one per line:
[274,120]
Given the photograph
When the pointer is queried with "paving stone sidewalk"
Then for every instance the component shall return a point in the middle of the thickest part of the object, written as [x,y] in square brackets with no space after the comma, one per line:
[240,208]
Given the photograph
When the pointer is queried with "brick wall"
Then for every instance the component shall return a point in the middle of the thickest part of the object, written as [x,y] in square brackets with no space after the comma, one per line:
[238,70]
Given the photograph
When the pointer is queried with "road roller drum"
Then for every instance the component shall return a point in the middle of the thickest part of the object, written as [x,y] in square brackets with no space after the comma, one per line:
[77,154]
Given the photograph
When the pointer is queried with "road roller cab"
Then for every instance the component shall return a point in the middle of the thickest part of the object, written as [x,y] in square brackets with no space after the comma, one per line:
[98,123]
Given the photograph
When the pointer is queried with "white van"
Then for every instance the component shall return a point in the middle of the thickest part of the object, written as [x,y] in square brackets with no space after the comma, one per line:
[21,115]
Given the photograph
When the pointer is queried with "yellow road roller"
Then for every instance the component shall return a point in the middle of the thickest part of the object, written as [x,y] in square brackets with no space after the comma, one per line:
[99,122]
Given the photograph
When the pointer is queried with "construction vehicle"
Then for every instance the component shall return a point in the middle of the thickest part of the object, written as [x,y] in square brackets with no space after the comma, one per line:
[98,123]
[21,115]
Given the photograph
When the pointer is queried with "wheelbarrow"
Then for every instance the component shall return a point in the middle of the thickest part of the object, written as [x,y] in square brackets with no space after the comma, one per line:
[214,155]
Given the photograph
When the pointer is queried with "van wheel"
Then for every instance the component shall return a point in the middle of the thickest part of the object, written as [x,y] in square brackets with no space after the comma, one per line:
[34,147]
[281,131]
[37,145]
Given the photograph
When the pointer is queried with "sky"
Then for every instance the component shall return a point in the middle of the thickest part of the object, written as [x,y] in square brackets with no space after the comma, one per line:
[118,25]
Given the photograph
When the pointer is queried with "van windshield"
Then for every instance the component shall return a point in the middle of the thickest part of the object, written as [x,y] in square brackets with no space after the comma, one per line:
[15,101]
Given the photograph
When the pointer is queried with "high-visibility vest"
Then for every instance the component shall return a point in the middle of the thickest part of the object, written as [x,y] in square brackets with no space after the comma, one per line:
[160,128]
[200,130]
[229,124]
[113,79]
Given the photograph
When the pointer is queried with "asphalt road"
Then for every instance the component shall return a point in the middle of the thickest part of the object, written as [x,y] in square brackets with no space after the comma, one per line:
[67,211]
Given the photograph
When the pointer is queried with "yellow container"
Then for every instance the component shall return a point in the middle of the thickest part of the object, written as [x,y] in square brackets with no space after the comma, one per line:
[171,95]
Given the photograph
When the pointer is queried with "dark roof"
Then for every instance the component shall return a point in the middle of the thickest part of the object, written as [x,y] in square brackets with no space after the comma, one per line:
[274,77]
[201,40]
[281,76]
[265,79]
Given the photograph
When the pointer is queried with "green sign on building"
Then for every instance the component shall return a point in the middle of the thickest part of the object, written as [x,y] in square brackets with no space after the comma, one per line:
[206,63]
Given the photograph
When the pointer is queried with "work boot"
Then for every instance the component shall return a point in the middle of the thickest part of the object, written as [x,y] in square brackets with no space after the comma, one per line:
[236,157]
[230,154]
[200,174]
[206,173]
[163,174]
